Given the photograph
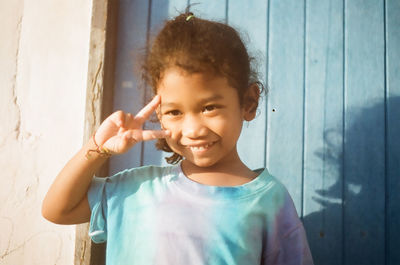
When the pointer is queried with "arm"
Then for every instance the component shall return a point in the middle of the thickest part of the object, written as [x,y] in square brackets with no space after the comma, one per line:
[66,201]
[291,249]
[287,240]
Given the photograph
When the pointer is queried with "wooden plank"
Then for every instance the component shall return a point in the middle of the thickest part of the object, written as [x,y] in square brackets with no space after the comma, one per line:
[393,130]
[250,19]
[99,97]
[285,75]
[176,7]
[364,154]
[129,90]
[323,137]
[209,9]
[160,11]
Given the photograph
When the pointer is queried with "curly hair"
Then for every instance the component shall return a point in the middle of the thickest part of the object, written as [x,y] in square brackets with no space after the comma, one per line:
[199,46]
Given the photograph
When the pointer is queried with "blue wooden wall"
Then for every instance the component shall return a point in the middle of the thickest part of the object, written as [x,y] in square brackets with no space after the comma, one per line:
[329,126]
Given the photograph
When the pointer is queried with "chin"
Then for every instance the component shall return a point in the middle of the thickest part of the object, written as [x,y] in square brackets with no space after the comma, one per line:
[203,163]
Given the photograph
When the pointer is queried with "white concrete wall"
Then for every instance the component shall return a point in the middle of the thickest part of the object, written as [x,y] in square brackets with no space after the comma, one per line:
[44,47]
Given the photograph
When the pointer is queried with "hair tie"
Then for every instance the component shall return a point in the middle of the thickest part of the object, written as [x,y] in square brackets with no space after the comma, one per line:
[189,17]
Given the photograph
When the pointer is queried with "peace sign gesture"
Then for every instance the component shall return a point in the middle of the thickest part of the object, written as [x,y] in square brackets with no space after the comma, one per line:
[120,131]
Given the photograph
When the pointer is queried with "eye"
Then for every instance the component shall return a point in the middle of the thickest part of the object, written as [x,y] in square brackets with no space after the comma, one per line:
[172,112]
[209,108]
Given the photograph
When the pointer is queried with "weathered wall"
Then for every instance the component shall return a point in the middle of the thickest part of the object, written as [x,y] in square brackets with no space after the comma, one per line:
[44,47]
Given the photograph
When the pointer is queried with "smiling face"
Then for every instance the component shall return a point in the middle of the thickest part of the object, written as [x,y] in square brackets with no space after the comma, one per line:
[204,116]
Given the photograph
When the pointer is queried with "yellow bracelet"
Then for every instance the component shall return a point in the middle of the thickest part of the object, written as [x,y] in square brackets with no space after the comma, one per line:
[102,151]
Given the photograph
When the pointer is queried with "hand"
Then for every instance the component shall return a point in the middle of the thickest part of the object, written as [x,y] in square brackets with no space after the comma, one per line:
[120,131]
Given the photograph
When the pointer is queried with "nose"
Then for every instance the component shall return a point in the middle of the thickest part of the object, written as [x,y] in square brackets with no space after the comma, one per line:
[193,127]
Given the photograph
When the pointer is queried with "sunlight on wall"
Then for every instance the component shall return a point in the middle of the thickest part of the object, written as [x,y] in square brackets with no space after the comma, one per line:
[43,73]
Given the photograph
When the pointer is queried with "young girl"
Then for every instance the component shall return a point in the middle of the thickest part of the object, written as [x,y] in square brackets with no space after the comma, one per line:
[208,207]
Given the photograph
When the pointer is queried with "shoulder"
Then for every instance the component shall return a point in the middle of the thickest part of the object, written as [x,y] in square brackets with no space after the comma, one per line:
[272,187]
[138,176]
[129,182]
[277,201]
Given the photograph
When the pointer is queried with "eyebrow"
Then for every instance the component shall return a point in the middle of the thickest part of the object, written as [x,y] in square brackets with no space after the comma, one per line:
[212,98]
[202,101]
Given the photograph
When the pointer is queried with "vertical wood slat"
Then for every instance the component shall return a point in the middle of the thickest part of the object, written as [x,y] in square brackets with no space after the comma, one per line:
[285,75]
[132,32]
[250,18]
[209,9]
[323,130]
[160,11]
[364,133]
[98,105]
[392,131]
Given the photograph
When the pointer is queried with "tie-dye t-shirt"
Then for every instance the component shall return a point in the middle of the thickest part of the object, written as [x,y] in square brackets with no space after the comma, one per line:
[156,215]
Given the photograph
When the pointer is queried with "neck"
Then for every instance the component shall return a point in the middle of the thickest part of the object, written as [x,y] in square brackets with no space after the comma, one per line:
[227,174]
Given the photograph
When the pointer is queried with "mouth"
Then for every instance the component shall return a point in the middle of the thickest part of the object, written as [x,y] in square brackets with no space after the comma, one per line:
[200,147]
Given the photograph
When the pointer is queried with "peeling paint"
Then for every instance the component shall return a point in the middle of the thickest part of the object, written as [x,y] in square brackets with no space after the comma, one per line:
[20,246]
[96,92]
[44,74]
[14,81]
[6,251]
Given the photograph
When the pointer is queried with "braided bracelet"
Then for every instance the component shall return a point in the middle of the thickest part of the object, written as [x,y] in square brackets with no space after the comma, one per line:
[102,151]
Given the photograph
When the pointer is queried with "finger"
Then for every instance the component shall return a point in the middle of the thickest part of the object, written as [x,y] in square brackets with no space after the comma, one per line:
[129,122]
[148,135]
[118,118]
[145,113]
[130,139]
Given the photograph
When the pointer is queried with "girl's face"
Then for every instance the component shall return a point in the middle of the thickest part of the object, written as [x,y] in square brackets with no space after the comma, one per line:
[204,116]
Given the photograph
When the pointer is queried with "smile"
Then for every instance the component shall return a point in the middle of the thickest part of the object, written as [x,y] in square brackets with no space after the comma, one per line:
[197,148]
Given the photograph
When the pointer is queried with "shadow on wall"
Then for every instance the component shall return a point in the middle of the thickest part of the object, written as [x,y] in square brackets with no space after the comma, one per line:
[359,214]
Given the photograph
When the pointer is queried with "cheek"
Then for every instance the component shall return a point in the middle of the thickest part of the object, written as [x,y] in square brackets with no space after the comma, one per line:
[164,122]
[173,127]
[173,144]
[167,124]
[225,125]
[229,129]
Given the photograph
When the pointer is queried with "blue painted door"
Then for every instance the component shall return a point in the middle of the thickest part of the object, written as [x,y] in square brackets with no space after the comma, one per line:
[328,127]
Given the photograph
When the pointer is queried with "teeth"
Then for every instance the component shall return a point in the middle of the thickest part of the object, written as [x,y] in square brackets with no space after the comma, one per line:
[199,148]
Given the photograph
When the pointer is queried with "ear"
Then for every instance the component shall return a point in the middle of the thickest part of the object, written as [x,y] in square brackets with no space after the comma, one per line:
[250,102]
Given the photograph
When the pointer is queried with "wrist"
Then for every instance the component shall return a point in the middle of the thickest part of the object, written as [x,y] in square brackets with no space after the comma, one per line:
[93,149]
